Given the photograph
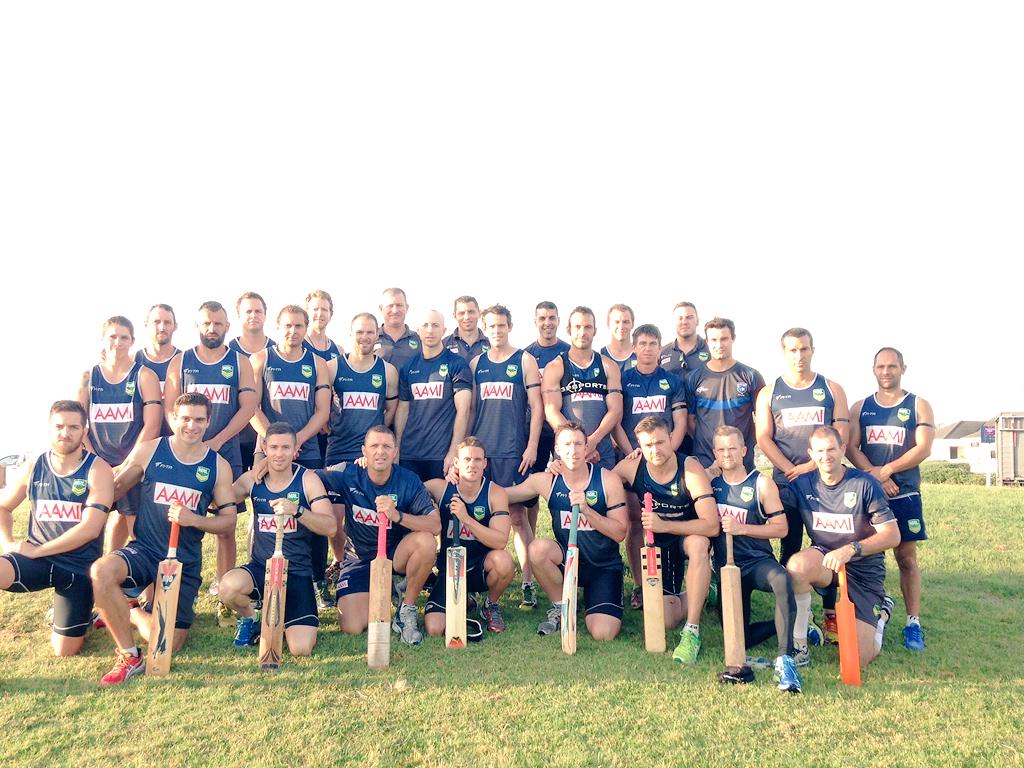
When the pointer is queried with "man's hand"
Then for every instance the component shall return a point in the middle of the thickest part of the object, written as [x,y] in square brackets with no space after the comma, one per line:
[386,505]
[713,471]
[459,510]
[449,462]
[651,521]
[838,557]
[260,470]
[529,459]
[800,469]
[25,548]
[214,444]
[733,526]
[183,516]
[283,506]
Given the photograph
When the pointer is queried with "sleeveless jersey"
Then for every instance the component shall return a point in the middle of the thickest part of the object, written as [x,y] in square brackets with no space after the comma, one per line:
[57,507]
[480,508]
[331,353]
[248,434]
[671,501]
[236,345]
[718,398]
[429,386]
[888,432]
[160,369]
[168,480]
[115,414]
[500,406]
[359,400]
[797,413]
[674,360]
[584,398]
[657,393]
[743,502]
[624,365]
[289,394]
[297,538]
[219,382]
[543,356]
[596,549]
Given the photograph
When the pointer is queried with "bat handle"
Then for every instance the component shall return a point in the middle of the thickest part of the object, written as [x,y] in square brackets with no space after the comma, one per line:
[648,505]
[728,549]
[382,535]
[172,544]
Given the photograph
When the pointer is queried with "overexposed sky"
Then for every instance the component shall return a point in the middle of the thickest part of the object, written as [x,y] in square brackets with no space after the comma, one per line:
[853,169]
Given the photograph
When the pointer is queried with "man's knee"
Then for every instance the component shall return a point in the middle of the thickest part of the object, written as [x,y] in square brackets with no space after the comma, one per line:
[602,627]
[66,646]
[108,571]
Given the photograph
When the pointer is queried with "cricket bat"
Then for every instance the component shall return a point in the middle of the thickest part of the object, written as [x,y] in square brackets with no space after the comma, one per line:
[166,587]
[378,631]
[654,605]
[732,610]
[275,589]
[572,574]
[455,591]
[846,619]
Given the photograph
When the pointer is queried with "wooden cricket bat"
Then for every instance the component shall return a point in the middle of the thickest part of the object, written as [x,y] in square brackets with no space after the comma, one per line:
[654,605]
[846,619]
[275,590]
[455,591]
[732,610]
[378,632]
[572,574]
[166,587]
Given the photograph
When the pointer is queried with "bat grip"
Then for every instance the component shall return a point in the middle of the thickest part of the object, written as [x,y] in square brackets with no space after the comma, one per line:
[648,506]
[172,544]
[382,535]
[728,549]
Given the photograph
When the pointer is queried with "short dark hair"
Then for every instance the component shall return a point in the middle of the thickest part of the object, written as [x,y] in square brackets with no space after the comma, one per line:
[212,306]
[465,300]
[827,431]
[647,329]
[293,309]
[471,442]
[250,295]
[546,305]
[165,308]
[70,406]
[364,316]
[899,355]
[192,398]
[648,424]
[581,310]
[378,429]
[121,320]
[727,430]
[689,304]
[719,323]
[621,308]
[797,333]
[393,291]
[572,425]
[281,428]
[498,309]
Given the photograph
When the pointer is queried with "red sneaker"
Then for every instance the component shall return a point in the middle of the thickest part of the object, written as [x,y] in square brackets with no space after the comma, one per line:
[831,627]
[125,666]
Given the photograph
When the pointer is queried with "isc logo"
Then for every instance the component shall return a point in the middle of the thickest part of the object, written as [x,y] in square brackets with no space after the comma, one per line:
[57,511]
[884,435]
[360,401]
[651,404]
[167,494]
[831,523]
[215,393]
[803,417]
[727,510]
[101,413]
[432,390]
[289,390]
[492,391]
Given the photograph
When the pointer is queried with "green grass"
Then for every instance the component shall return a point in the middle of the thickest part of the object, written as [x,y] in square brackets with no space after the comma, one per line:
[515,699]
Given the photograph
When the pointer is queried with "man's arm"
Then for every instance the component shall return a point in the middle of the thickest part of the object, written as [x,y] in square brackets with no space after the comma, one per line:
[152,405]
[247,402]
[94,513]
[320,516]
[463,404]
[431,522]
[699,487]
[614,403]
[840,411]
[615,524]
[494,535]
[391,397]
[84,397]
[680,425]
[259,420]
[886,536]
[537,484]
[129,472]
[10,498]
[531,375]
[223,498]
[173,387]
[764,424]
[551,393]
[321,404]
[776,525]
[923,436]
[401,419]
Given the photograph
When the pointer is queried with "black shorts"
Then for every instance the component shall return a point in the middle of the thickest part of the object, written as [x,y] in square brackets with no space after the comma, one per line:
[72,592]
[909,517]
[866,592]
[354,577]
[476,581]
[425,469]
[673,566]
[142,565]
[504,472]
[602,589]
[299,601]
[129,505]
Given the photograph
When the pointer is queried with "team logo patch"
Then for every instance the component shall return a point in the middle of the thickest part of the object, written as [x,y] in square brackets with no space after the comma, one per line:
[914,526]
[413,344]
[850,499]
[478,513]
[227,371]
[394,498]
[377,380]
[307,371]
[674,489]
[485,347]
[591,497]
[663,383]
[703,357]
[596,371]
[443,369]
[511,370]
[632,363]
[877,610]
[293,497]
[818,394]
[741,389]
[79,486]
[129,388]
[203,474]
[903,414]
[747,493]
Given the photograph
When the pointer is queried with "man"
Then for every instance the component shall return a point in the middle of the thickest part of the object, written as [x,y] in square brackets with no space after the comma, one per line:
[891,434]
[545,349]
[479,507]
[70,492]
[688,350]
[620,326]
[252,312]
[647,390]
[434,401]
[224,376]
[751,512]
[160,351]
[398,344]
[683,519]
[365,494]
[507,411]
[588,389]
[849,521]
[467,340]
[292,491]
[320,308]
[601,528]
[721,392]
[181,480]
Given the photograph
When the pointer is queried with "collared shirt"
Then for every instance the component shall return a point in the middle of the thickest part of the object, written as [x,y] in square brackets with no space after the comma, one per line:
[463,348]
[398,351]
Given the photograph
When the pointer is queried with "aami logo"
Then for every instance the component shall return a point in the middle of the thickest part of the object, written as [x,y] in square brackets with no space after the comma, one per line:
[649,404]
[464,533]
[165,493]
[490,390]
[583,524]
[111,413]
[360,401]
[268,524]
[802,417]
[215,393]
[431,390]
[727,510]
[885,435]
[832,523]
[57,511]
[367,516]
[289,390]
[578,397]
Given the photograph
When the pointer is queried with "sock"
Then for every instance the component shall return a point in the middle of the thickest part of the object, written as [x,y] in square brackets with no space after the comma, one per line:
[913,620]
[527,584]
[134,651]
[695,628]
[803,615]
[879,632]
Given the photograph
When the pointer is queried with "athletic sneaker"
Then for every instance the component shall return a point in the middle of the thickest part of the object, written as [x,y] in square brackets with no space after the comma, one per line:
[801,655]
[491,613]
[332,572]
[814,634]
[471,602]
[913,637]
[214,587]
[831,629]
[97,621]
[759,662]
[322,592]
[688,648]
[888,606]
[225,616]
[529,601]
[405,624]
[786,675]
[125,666]
[636,599]
[247,631]
[553,623]
[736,675]
[711,601]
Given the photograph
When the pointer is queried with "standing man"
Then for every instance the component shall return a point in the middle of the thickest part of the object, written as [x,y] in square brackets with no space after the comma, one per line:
[434,401]
[252,312]
[160,351]
[320,307]
[398,344]
[588,389]
[891,434]
[70,492]
[849,521]
[688,350]
[722,393]
[620,326]
[467,340]
[179,477]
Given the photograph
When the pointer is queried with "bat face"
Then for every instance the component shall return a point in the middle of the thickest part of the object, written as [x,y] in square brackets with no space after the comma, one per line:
[165,612]
[732,617]
[569,600]
[654,605]
[846,619]
[378,631]
[455,597]
[272,631]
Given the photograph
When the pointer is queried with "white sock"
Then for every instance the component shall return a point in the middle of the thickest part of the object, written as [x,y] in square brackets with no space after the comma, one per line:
[913,620]
[803,615]
[134,650]
[695,628]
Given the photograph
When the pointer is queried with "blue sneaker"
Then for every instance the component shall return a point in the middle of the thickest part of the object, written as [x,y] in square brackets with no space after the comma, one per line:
[786,674]
[247,630]
[814,634]
[913,637]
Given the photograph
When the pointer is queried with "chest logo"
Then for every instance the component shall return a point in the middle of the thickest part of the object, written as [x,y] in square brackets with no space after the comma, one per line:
[307,371]
[413,344]
[591,498]
[747,494]
[129,388]
[377,380]
[478,513]
[818,394]
[741,389]
[663,383]
[203,474]
[293,497]
[674,489]
[703,357]
[442,369]
[79,486]
[850,499]
[511,370]
[903,414]
[227,371]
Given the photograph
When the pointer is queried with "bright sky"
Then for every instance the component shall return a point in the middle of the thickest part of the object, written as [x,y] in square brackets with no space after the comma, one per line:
[853,169]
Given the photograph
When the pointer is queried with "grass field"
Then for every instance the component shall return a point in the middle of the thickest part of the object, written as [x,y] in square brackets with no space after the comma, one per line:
[515,699]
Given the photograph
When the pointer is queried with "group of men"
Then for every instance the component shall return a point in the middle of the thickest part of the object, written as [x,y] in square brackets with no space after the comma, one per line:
[437,431]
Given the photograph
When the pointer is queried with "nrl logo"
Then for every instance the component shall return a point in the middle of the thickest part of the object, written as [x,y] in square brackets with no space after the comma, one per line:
[203,474]
[293,497]
[377,380]
[443,369]
[394,498]
[596,371]
[413,344]
[703,357]
[79,486]
[674,489]
[307,371]
[478,513]
[663,384]
[632,363]
[591,497]
[850,499]
[903,414]
[747,493]
[741,389]
[511,370]
[227,371]
[129,388]
[818,394]
[485,347]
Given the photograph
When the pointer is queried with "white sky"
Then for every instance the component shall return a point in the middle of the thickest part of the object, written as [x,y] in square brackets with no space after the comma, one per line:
[853,169]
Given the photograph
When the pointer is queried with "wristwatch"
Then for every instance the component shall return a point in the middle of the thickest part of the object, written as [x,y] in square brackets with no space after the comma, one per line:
[857,548]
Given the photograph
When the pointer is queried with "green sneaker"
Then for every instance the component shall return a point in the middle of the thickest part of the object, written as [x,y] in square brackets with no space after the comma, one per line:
[529,601]
[711,601]
[688,648]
